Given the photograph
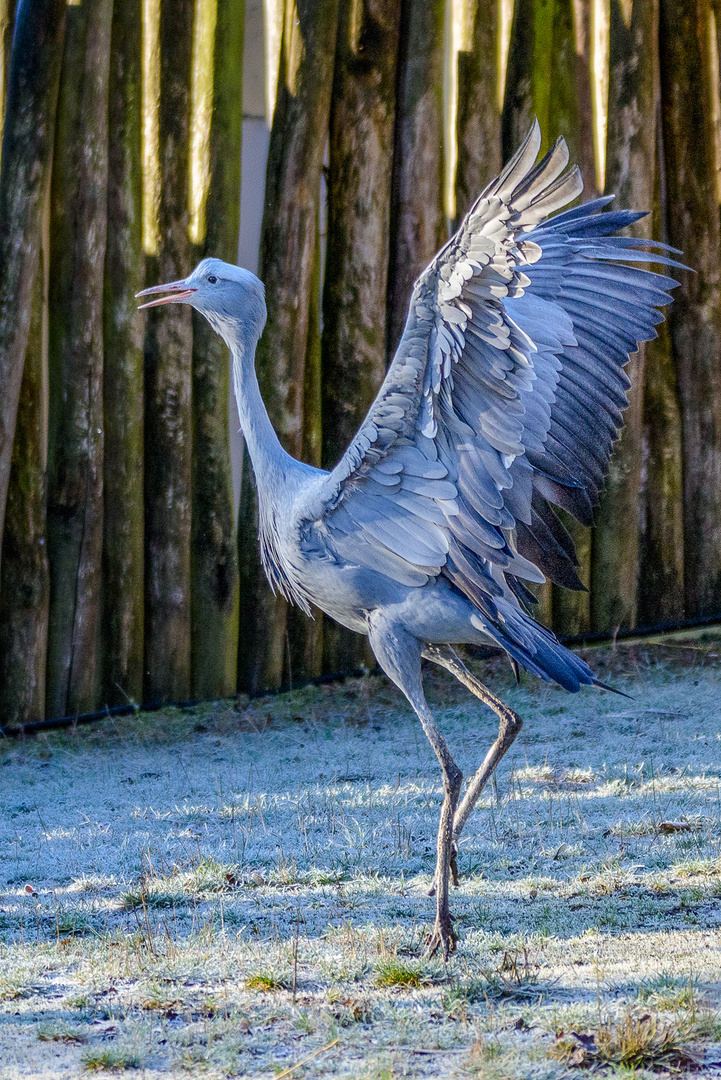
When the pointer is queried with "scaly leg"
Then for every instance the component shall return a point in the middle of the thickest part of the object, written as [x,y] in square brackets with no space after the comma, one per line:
[444,936]
[399,654]
[509,727]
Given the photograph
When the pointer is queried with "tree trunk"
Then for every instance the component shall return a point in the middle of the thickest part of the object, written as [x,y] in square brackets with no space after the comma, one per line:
[356,275]
[28,135]
[418,220]
[295,159]
[75,463]
[215,552]
[123,611]
[695,319]
[478,127]
[168,354]
[630,175]
[26,578]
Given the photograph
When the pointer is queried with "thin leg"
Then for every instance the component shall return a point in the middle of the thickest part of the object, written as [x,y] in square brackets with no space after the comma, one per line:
[444,936]
[399,654]
[509,727]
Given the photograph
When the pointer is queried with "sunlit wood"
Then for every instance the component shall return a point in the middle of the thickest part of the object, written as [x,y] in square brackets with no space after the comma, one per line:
[715,95]
[273,11]
[150,96]
[201,107]
[600,21]
[505,19]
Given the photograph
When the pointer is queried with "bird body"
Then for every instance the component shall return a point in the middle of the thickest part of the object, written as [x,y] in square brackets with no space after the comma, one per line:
[502,401]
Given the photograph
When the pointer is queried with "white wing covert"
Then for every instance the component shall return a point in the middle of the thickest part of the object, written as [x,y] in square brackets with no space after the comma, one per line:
[505,394]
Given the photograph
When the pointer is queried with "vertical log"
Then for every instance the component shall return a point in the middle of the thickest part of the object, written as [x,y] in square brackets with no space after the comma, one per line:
[695,318]
[75,462]
[7,22]
[215,555]
[418,220]
[630,175]
[168,354]
[26,580]
[478,126]
[28,135]
[356,277]
[123,607]
[295,159]
[661,565]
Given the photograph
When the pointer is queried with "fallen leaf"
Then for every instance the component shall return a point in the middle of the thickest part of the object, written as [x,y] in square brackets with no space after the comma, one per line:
[674,826]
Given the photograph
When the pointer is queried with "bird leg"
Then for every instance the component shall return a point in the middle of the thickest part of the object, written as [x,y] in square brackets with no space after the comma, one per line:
[509,727]
[444,936]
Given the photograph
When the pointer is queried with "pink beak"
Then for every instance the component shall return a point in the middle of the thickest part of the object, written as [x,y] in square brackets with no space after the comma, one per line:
[178,291]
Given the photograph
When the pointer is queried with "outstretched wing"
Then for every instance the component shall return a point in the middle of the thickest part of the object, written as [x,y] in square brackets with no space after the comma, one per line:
[505,394]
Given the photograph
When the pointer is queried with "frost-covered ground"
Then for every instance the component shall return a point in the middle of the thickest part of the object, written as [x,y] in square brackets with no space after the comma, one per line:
[234,889]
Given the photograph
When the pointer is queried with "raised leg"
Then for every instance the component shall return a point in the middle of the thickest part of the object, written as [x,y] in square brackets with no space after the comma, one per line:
[399,654]
[509,727]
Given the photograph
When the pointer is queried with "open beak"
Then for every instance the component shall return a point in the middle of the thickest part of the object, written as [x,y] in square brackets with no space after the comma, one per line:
[177,291]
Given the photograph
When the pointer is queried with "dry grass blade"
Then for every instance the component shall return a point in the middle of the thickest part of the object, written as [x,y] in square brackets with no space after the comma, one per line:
[632,1042]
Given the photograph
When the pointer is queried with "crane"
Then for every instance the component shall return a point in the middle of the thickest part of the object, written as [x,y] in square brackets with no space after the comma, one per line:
[503,400]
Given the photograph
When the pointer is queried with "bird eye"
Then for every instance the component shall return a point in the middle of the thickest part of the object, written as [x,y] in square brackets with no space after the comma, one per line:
[212,279]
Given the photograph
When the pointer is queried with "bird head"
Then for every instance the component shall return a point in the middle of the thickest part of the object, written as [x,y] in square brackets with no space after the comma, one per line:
[227,295]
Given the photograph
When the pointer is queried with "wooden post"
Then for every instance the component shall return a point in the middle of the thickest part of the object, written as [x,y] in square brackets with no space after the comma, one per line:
[356,276]
[28,135]
[630,175]
[478,127]
[26,579]
[78,217]
[123,555]
[661,562]
[215,553]
[418,220]
[287,249]
[168,355]
[695,318]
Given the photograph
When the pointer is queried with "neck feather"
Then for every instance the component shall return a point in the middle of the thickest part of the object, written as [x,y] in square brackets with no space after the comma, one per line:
[271,463]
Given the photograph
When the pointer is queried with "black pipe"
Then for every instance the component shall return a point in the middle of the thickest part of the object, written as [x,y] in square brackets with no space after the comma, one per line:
[596,638]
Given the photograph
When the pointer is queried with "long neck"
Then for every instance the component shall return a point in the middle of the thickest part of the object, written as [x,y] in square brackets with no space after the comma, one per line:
[271,463]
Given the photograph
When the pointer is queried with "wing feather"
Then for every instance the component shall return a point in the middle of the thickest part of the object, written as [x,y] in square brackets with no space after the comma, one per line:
[504,397]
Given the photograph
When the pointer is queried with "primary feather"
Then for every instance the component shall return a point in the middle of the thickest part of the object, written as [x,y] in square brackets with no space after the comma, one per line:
[503,400]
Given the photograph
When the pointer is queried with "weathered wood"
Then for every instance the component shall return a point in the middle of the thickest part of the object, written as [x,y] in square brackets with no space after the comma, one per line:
[695,319]
[7,23]
[661,564]
[78,208]
[418,220]
[356,277]
[295,159]
[123,554]
[478,124]
[25,593]
[168,356]
[359,188]
[214,575]
[28,135]
[630,174]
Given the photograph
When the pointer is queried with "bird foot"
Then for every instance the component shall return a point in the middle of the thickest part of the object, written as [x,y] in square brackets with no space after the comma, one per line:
[443,938]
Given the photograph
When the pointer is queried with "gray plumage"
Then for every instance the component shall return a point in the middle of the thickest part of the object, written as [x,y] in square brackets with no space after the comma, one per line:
[503,400]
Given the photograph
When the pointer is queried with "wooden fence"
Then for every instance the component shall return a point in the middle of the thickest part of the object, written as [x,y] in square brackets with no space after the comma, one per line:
[123,574]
